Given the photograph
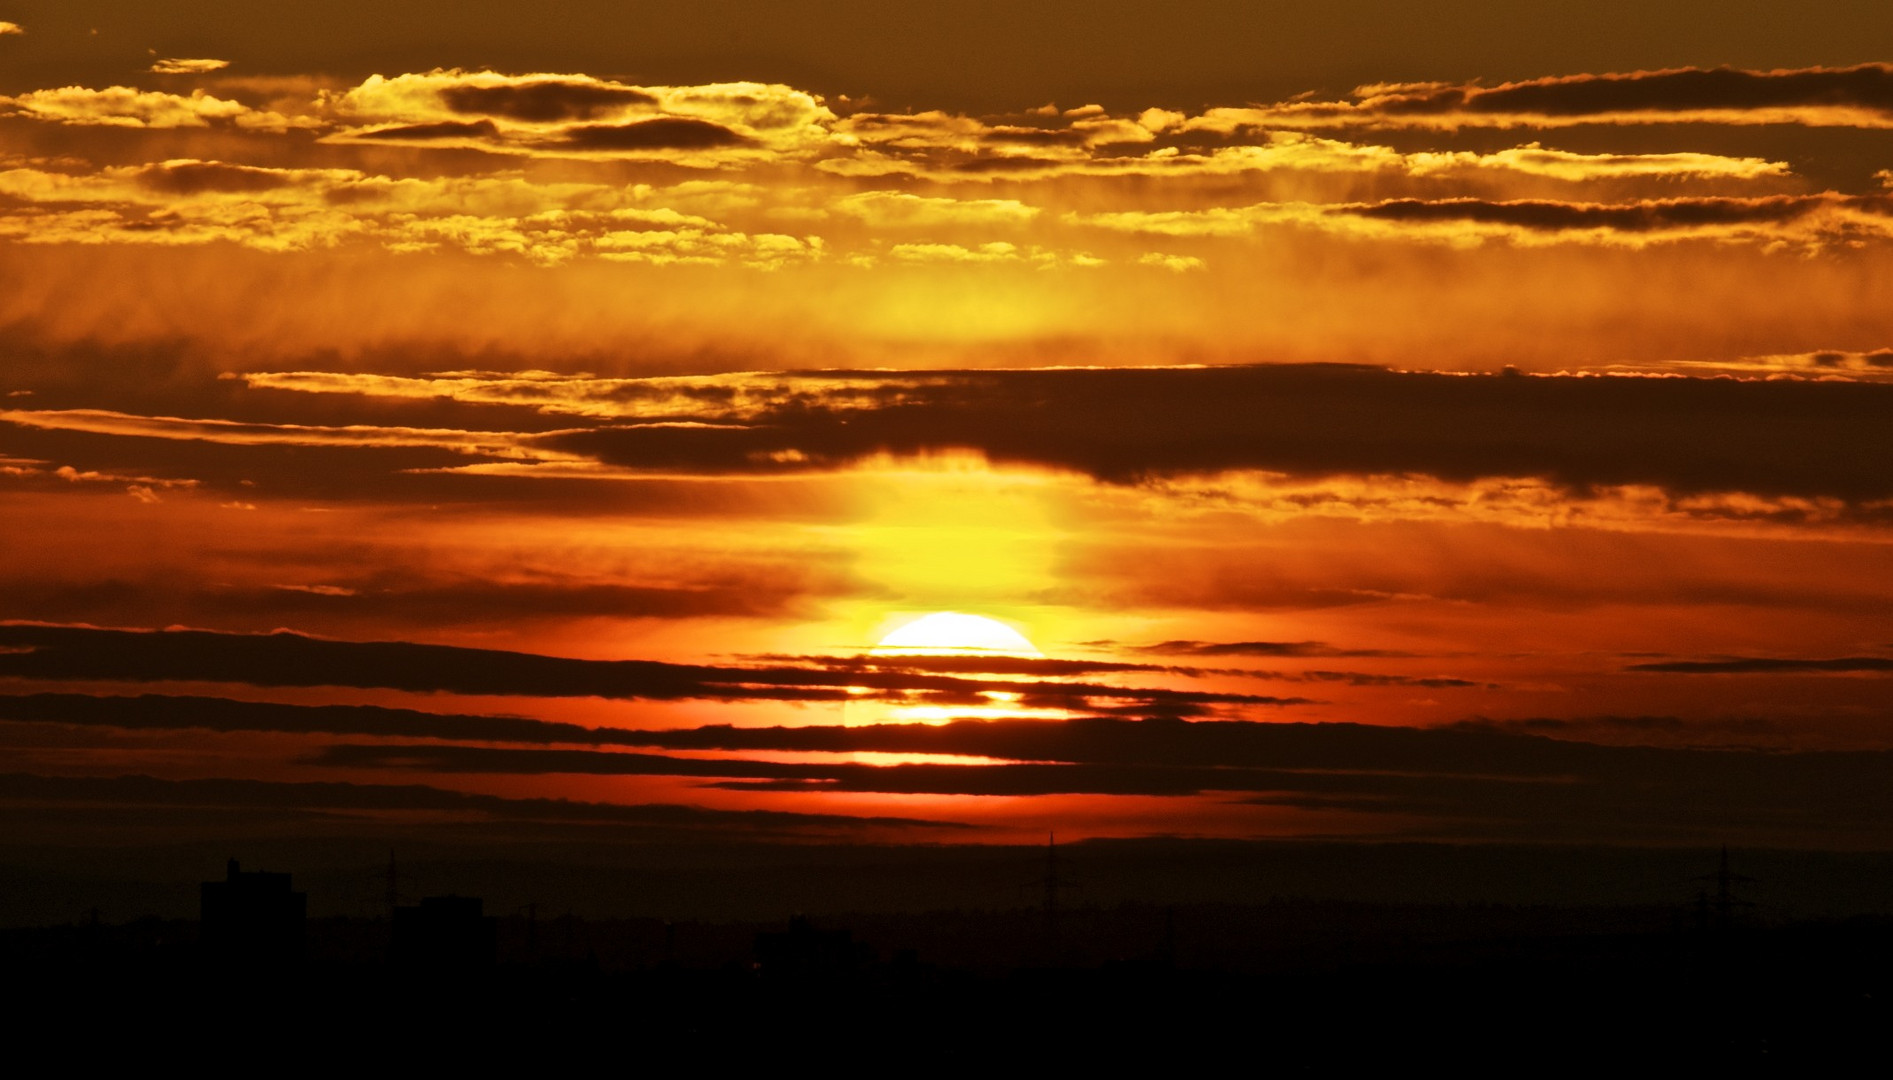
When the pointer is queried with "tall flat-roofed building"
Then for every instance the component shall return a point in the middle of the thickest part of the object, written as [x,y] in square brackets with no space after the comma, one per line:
[252,917]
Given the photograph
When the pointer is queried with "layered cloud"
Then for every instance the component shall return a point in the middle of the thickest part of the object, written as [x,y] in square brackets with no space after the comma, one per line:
[234,433]
[135,796]
[125,106]
[284,659]
[1814,221]
[581,116]
[1773,665]
[182,66]
[1860,96]
[520,166]
[1806,439]
[1467,781]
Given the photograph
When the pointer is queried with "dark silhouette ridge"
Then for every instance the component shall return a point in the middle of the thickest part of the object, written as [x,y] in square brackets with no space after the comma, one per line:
[1315,983]
[595,875]
[805,954]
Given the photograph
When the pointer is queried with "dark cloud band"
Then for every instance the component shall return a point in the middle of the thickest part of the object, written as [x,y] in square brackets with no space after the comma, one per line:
[1683,435]
[287,659]
[146,791]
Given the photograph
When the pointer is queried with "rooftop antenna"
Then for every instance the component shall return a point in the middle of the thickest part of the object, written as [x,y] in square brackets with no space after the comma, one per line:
[394,894]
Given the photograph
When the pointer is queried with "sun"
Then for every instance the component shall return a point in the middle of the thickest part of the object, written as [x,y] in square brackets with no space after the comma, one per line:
[950,633]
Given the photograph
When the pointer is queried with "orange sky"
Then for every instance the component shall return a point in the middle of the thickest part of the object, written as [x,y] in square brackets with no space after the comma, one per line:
[1470,441]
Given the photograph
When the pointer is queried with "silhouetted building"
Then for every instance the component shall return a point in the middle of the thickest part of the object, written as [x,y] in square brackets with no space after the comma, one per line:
[252,917]
[804,952]
[445,933]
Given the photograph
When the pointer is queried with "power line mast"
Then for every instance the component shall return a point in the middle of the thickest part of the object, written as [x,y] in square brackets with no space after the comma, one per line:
[1724,904]
[394,893]
[1051,883]
[1051,886]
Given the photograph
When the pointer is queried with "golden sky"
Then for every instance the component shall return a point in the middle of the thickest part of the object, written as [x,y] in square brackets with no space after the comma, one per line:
[1460,422]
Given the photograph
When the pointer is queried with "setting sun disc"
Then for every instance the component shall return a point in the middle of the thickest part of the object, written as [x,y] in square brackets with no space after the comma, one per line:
[951,633]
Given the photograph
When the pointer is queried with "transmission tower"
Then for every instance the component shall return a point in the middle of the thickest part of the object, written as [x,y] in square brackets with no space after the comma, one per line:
[1051,883]
[1724,903]
[393,896]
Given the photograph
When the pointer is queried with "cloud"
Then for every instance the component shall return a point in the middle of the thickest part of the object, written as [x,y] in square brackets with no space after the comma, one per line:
[700,399]
[1480,748]
[1822,363]
[977,664]
[1814,221]
[186,177]
[661,133]
[1869,86]
[1650,216]
[187,67]
[1771,665]
[27,468]
[230,794]
[943,148]
[195,202]
[578,115]
[1860,96]
[1678,435]
[1477,782]
[1532,159]
[1485,778]
[152,712]
[1259,648]
[1174,263]
[1311,183]
[1361,678]
[418,587]
[904,210]
[995,251]
[546,100]
[1691,449]
[1713,733]
[124,106]
[1631,451]
[439,129]
[287,659]
[736,125]
[235,433]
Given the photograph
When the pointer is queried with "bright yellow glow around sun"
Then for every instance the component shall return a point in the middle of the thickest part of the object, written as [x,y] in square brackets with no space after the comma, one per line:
[950,633]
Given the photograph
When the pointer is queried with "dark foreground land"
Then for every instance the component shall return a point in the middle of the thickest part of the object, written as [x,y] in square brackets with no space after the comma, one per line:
[1298,986]
[1302,958]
